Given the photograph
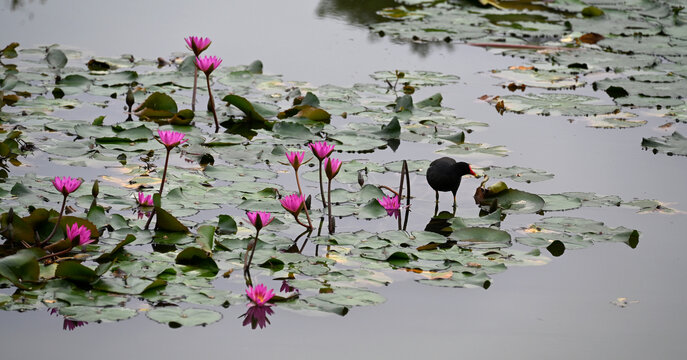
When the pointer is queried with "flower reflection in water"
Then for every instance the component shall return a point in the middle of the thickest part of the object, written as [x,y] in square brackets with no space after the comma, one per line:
[67,324]
[258,308]
[71,324]
[140,214]
[286,288]
[257,315]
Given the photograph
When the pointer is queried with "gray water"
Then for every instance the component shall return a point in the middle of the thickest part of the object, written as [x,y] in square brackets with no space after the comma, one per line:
[561,310]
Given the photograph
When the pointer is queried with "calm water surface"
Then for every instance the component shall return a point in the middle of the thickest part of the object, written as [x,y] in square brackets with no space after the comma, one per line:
[561,310]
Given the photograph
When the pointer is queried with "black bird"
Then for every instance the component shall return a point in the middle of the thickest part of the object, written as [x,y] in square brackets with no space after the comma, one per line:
[444,175]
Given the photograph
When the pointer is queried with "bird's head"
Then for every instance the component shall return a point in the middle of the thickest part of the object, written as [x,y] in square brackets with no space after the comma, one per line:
[463,168]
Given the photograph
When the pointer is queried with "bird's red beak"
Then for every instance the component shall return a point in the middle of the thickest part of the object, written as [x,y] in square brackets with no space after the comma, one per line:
[472,172]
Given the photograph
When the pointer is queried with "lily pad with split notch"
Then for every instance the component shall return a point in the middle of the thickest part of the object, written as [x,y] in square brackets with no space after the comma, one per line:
[481,237]
[673,144]
[177,317]
[97,314]
[513,201]
[555,104]
[517,173]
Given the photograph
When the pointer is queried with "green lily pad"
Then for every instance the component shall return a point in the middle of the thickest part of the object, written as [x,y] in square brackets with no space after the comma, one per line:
[74,271]
[418,78]
[517,173]
[97,314]
[461,279]
[674,144]
[351,297]
[554,104]
[482,237]
[514,201]
[20,268]
[176,317]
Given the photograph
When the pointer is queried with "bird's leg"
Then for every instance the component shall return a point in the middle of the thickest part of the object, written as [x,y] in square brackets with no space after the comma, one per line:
[455,206]
[437,196]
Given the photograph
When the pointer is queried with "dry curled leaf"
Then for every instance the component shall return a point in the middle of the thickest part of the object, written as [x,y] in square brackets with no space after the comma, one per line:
[591,38]
[523,68]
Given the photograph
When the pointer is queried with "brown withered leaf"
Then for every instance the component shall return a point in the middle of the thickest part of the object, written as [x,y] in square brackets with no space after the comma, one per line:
[523,68]
[591,38]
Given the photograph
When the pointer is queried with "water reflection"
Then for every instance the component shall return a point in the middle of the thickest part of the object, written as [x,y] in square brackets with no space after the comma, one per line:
[257,316]
[286,288]
[18,4]
[363,13]
[67,324]
[258,307]
[356,12]
[439,224]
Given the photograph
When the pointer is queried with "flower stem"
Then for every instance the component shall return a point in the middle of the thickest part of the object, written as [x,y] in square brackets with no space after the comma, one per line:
[400,193]
[162,186]
[59,218]
[212,104]
[164,172]
[308,231]
[301,224]
[195,87]
[150,218]
[390,189]
[56,254]
[407,175]
[305,208]
[247,261]
[324,204]
[329,206]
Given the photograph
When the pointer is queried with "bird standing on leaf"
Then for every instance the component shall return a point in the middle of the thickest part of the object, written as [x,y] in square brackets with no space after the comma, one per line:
[445,174]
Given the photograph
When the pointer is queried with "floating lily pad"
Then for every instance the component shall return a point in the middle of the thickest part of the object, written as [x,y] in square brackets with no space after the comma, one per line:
[176,317]
[517,173]
[540,78]
[97,314]
[420,78]
[674,144]
[481,237]
[460,279]
[351,297]
[513,201]
[554,104]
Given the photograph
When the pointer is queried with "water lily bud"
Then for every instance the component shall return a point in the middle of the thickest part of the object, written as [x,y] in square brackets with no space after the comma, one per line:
[130,98]
[95,190]
[497,188]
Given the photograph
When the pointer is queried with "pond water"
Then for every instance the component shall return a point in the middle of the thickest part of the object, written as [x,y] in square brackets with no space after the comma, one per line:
[562,309]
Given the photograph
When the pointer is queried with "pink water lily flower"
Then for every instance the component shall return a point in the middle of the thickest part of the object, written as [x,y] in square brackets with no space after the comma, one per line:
[197,44]
[66,185]
[144,200]
[208,64]
[82,232]
[170,138]
[259,219]
[293,203]
[331,167]
[321,149]
[392,205]
[259,294]
[295,158]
